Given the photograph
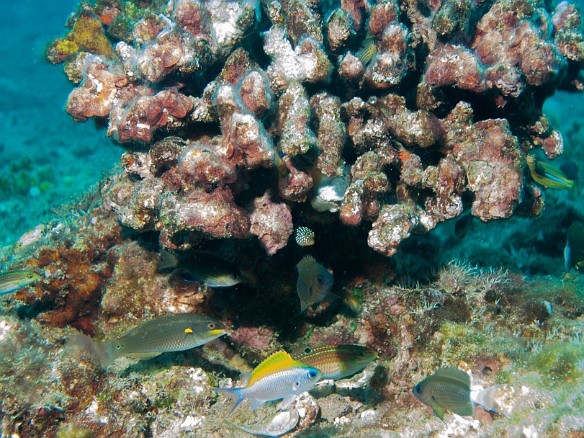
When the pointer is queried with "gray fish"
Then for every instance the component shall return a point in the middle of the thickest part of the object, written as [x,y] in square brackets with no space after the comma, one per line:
[314,282]
[202,266]
[176,332]
[447,389]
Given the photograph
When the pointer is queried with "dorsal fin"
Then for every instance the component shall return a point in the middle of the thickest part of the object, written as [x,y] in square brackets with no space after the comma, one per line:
[307,260]
[278,361]
[454,374]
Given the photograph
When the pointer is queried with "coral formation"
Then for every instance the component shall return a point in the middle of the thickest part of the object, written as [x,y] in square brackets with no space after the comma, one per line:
[242,121]
[454,105]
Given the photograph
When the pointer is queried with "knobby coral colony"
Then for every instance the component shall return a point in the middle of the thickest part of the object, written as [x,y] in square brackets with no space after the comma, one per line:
[441,115]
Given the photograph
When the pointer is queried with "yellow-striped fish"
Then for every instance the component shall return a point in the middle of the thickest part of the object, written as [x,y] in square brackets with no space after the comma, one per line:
[15,280]
[176,332]
[277,377]
[547,175]
[338,361]
[367,51]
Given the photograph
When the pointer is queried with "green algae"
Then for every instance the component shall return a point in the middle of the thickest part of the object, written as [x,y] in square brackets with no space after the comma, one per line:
[560,363]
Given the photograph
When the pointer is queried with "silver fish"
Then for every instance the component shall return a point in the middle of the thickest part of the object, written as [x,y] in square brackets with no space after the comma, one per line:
[277,377]
[314,282]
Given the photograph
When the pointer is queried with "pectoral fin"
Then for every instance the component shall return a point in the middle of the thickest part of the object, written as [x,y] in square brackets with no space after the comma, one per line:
[286,402]
[256,403]
[439,412]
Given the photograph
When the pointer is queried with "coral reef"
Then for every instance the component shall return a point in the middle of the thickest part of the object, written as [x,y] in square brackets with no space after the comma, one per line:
[454,104]
[243,121]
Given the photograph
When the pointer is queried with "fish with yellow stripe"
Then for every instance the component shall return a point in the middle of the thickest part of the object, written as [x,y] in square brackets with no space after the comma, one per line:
[15,280]
[175,332]
[338,361]
[548,175]
[277,377]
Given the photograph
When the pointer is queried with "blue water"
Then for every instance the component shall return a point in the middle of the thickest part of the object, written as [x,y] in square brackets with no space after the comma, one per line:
[46,159]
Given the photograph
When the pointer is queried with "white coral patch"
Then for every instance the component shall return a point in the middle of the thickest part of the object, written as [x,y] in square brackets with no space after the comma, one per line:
[5,329]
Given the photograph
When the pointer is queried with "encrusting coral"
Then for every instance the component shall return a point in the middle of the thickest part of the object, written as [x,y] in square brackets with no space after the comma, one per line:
[454,104]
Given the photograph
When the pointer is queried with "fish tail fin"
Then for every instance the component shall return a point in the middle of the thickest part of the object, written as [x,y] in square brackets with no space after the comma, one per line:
[98,350]
[167,261]
[105,352]
[232,393]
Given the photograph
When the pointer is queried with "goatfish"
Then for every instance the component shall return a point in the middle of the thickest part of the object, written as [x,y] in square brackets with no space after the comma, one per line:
[277,377]
[203,266]
[15,280]
[338,361]
[176,332]
[314,282]
[574,249]
[547,175]
[447,389]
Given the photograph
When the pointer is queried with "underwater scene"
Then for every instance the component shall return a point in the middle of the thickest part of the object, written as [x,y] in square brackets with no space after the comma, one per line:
[304,218]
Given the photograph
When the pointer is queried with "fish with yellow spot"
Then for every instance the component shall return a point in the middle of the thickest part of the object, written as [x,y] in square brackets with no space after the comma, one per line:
[15,280]
[447,389]
[277,377]
[548,175]
[338,361]
[314,282]
[175,332]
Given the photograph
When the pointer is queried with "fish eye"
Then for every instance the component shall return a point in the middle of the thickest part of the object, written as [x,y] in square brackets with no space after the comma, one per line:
[312,374]
[119,346]
[418,389]
[296,385]
[320,279]
[307,350]
[211,325]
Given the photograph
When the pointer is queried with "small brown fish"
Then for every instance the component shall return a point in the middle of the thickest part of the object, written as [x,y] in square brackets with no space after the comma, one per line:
[314,282]
[15,280]
[447,389]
